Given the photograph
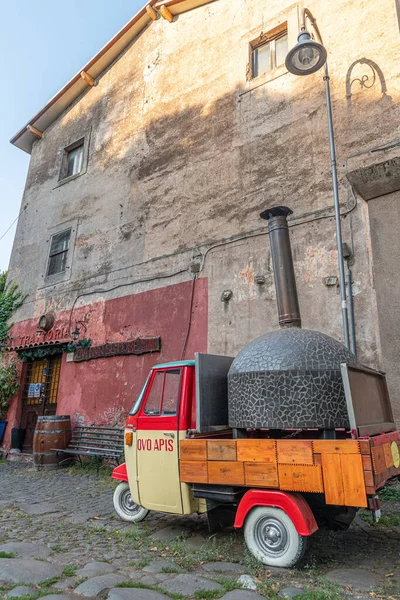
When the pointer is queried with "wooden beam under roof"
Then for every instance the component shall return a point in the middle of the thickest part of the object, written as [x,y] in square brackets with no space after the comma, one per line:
[88,78]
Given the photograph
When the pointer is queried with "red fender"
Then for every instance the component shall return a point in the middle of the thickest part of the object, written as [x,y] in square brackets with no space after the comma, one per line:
[120,473]
[293,505]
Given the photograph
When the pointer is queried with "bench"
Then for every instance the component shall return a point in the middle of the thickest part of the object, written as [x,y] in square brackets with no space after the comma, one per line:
[97,441]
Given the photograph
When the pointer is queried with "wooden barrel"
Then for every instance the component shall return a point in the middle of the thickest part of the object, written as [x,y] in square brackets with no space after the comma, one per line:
[51,432]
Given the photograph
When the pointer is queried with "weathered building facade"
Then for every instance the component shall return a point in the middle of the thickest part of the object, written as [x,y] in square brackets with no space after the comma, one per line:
[147,176]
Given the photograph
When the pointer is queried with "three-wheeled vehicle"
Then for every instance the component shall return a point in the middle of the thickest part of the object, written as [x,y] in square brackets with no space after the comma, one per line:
[278,489]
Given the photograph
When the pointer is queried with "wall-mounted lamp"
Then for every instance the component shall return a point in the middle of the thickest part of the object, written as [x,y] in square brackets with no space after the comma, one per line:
[75,333]
[306,57]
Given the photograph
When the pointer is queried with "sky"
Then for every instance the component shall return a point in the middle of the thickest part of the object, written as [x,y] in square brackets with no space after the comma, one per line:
[42,45]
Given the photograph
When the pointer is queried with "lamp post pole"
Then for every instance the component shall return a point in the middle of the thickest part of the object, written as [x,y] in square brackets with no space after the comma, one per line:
[306,57]
[337,211]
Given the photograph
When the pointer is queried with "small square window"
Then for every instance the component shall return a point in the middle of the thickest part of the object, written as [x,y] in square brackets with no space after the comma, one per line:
[74,161]
[58,253]
[268,52]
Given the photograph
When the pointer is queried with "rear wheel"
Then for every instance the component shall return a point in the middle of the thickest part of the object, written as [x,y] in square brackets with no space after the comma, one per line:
[125,507]
[272,538]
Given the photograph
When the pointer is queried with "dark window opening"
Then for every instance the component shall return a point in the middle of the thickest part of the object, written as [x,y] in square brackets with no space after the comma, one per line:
[58,252]
[74,161]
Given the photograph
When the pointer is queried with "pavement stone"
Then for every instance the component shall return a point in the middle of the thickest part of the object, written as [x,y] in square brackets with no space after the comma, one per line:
[95,568]
[188,584]
[56,597]
[223,567]
[135,594]
[197,541]
[154,579]
[157,565]
[241,595]
[26,549]
[95,585]
[359,579]
[17,570]
[66,584]
[40,508]
[168,534]
[20,590]
[291,592]
[247,582]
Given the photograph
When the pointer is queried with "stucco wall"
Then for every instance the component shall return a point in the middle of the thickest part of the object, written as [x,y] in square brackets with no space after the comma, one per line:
[103,390]
[184,153]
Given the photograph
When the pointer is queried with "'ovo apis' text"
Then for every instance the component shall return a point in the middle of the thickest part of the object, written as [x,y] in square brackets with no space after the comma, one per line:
[157,445]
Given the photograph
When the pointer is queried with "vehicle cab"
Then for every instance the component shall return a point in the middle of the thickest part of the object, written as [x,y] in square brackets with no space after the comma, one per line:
[159,419]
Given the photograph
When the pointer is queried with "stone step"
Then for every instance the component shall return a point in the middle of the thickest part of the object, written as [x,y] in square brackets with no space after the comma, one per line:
[20,457]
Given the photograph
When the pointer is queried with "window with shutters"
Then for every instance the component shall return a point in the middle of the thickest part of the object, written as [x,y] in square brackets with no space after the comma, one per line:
[58,254]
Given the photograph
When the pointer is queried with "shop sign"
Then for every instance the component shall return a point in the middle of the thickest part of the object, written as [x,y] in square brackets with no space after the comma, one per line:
[57,334]
[137,346]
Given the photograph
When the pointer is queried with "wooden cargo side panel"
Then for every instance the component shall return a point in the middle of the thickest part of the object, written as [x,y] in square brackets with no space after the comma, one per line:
[194,471]
[336,446]
[297,452]
[221,450]
[226,472]
[193,450]
[300,478]
[388,455]
[378,459]
[256,451]
[333,479]
[353,480]
[261,475]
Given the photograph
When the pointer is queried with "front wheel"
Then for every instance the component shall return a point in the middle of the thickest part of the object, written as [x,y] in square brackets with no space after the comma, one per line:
[125,507]
[272,538]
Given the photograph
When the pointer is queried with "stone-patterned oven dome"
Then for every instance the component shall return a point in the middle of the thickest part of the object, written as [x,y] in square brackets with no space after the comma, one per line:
[287,379]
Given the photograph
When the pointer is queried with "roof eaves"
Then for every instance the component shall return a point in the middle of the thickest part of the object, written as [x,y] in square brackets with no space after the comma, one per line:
[76,86]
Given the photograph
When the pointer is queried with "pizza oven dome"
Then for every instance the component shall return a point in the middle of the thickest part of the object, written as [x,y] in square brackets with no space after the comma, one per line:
[292,349]
[290,378]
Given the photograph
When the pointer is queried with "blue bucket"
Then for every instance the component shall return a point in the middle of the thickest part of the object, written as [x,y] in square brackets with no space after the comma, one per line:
[2,429]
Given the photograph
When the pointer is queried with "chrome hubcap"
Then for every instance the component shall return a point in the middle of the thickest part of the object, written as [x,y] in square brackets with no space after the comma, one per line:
[128,505]
[272,536]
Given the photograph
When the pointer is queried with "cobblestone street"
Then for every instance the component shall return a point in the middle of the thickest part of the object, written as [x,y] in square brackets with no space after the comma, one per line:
[59,535]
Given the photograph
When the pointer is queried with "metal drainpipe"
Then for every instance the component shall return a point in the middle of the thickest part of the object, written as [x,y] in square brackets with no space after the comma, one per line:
[337,211]
[353,347]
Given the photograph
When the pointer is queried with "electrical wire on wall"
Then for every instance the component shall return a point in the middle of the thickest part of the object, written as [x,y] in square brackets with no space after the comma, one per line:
[190,317]
[294,223]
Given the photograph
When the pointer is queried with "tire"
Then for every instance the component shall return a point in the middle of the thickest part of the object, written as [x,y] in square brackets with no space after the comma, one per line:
[124,506]
[272,538]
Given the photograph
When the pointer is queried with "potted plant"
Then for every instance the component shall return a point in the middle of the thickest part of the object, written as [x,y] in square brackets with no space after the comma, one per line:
[8,387]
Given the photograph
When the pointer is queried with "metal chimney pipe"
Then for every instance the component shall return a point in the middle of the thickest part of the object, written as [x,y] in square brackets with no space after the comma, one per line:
[285,281]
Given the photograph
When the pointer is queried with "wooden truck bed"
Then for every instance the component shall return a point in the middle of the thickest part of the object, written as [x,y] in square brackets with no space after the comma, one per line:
[346,471]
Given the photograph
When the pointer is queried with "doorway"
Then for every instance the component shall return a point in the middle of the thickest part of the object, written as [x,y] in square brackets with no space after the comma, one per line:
[39,396]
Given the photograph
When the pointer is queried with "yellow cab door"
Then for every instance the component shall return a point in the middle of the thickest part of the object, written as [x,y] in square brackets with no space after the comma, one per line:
[157,443]
[131,448]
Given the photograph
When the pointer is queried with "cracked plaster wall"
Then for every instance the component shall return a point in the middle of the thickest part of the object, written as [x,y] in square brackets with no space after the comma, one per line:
[183,154]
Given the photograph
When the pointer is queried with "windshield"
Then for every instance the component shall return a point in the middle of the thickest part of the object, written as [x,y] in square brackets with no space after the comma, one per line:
[138,402]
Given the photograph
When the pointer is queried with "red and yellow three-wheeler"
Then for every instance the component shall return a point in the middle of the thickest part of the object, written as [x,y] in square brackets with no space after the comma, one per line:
[278,489]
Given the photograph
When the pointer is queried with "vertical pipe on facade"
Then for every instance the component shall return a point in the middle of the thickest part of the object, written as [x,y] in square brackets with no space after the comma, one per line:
[337,211]
[351,311]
